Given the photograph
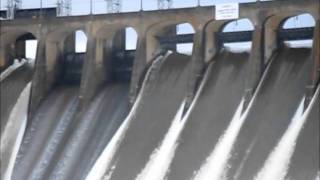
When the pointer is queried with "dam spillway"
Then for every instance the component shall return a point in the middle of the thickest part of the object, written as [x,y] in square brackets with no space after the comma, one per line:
[216,112]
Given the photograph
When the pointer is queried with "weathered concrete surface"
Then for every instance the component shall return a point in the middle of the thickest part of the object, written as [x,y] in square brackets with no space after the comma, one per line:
[52,34]
[211,115]
[147,24]
[159,103]
[12,134]
[92,133]
[275,105]
[305,159]
[11,88]
[45,133]
[57,144]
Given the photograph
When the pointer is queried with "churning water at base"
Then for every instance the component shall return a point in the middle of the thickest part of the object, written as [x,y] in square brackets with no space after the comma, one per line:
[158,163]
[276,165]
[215,163]
[304,162]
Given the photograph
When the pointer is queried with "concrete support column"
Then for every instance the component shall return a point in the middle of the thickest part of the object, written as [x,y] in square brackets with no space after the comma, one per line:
[315,74]
[212,45]
[7,53]
[21,49]
[70,43]
[171,31]
[139,66]
[3,57]
[256,65]
[89,83]
[198,64]
[95,68]
[39,85]
[120,40]
[316,53]
[271,40]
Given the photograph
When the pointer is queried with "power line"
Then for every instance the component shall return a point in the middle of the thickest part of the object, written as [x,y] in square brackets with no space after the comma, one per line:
[12,6]
[64,7]
[114,6]
[165,4]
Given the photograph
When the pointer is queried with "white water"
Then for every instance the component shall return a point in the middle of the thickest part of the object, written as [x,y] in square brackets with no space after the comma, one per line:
[103,163]
[158,163]
[216,164]
[13,132]
[161,158]
[16,64]
[277,164]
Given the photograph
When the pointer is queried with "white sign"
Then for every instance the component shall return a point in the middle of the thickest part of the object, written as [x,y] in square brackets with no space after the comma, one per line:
[227,11]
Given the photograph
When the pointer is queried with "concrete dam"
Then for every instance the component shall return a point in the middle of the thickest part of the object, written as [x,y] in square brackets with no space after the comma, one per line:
[155,113]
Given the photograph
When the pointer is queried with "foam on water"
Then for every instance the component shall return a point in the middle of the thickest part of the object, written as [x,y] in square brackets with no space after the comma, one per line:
[103,163]
[16,64]
[277,164]
[14,131]
[161,158]
[216,164]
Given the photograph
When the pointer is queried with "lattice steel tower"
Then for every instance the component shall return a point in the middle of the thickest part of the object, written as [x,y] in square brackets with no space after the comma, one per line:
[114,6]
[12,6]
[165,4]
[64,7]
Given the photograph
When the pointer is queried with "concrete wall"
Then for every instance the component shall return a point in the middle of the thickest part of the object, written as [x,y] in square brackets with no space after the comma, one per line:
[100,30]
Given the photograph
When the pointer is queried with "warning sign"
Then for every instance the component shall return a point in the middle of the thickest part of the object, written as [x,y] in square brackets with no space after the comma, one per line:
[227,11]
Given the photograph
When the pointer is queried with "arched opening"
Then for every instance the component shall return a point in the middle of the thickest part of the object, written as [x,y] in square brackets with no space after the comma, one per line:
[80,42]
[297,31]
[72,58]
[175,37]
[184,29]
[23,49]
[236,36]
[124,44]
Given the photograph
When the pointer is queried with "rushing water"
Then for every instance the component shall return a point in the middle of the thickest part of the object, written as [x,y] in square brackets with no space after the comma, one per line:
[44,134]
[161,158]
[276,165]
[215,139]
[92,132]
[271,113]
[211,114]
[12,83]
[103,163]
[13,133]
[216,164]
[304,162]
[159,104]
